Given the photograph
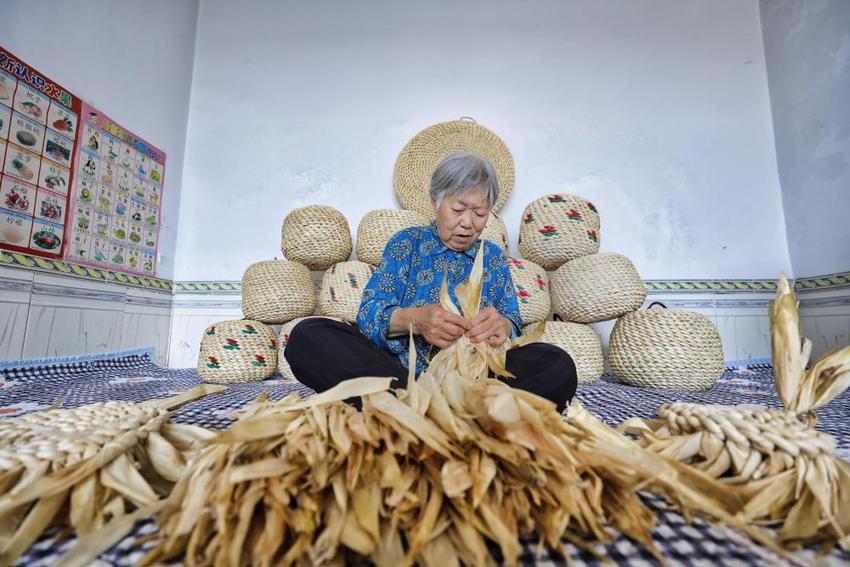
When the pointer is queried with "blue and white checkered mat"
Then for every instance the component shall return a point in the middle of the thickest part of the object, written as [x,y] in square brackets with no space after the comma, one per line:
[136,378]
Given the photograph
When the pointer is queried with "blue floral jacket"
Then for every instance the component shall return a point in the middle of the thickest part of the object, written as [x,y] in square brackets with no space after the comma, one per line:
[410,275]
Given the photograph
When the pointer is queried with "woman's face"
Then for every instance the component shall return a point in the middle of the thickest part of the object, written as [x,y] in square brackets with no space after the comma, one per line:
[461,218]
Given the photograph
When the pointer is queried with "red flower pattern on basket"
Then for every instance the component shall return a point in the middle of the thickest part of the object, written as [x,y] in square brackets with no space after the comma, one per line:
[232,344]
[528,218]
[352,279]
[211,331]
[249,330]
[541,283]
[574,215]
[556,199]
[213,363]
[591,207]
[522,295]
[260,360]
[284,340]
[332,291]
[591,234]
[518,264]
[548,230]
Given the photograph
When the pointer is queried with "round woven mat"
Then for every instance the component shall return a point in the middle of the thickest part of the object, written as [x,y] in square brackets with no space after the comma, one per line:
[596,288]
[342,289]
[316,236]
[496,232]
[558,228]
[377,227]
[276,291]
[531,284]
[418,159]
[582,344]
[237,351]
[663,348]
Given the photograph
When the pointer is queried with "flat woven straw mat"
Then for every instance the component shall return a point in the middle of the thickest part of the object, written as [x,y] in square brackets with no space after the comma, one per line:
[418,159]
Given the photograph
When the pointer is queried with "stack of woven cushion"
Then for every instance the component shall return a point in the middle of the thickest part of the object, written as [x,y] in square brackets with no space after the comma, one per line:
[659,348]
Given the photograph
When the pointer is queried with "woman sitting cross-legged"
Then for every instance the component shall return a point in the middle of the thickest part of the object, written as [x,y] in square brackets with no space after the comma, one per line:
[405,291]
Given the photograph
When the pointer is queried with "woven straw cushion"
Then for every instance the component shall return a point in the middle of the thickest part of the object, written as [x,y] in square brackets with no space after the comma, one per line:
[596,288]
[662,348]
[316,236]
[558,228]
[422,154]
[496,232]
[285,330]
[276,291]
[342,289]
[531,283]
[377,227]
[237,351]
[582,344]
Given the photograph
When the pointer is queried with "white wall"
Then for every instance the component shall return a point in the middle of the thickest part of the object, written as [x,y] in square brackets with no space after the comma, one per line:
[656,110]
[807,47]
[133,60]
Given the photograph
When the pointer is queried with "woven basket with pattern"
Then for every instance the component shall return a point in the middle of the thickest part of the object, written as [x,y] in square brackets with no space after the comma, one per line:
[420,157]
[276,291]
[496,232]
[377,227]
[596,288]
[663,348]
[580,341]
[237,351]
[282,365]
[316,236]
[531,283]
[558,228]
[342,289]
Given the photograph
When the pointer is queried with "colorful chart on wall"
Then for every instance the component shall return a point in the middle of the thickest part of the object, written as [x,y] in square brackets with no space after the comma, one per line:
[39,123]
[116,198]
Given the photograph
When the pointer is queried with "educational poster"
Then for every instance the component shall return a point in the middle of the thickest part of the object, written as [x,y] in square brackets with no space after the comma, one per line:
[116,198]
[39,123]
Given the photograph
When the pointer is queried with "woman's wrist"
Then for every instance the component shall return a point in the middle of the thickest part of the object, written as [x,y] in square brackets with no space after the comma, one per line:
[401,320]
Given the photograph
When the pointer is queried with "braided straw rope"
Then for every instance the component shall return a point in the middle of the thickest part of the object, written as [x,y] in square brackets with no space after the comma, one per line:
[558,228]
[377,227]
[237,351]
[531,284]
[276,291]
[285,330]
[496,232]
[342,289]
[579,341]
[662,348]
[596,288]
[420,157]
[316,236]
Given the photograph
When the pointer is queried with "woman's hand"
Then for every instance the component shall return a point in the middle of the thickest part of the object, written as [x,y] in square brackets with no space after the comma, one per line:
[436,325]
[489,326]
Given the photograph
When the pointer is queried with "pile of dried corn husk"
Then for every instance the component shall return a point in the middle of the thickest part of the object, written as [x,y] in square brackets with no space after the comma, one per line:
[88,468]
[429,475]
[786,470]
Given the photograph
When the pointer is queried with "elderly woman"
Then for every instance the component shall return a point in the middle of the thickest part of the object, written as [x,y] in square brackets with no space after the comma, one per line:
[405,291]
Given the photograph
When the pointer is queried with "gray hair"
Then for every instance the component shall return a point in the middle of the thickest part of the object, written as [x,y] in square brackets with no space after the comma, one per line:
[458,172]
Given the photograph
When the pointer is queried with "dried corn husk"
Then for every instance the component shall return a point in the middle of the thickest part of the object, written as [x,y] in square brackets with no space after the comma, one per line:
[88,467]
[428,475]
[787,471]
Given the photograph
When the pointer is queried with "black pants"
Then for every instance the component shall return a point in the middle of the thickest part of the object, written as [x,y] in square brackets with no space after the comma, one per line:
[323,352]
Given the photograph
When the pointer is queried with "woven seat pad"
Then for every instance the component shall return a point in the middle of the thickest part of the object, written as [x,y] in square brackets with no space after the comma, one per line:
[420,157]
[285,330]
[531,284]
[342,289]
[237,351]
[277,291]
[558,228]
[663,348]
[496,232]
[596,288]
[317,236]
[64,436]
[377,227]
[579,341]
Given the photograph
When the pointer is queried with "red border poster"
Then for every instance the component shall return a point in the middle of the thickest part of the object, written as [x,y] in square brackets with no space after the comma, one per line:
[39,123]
[116,201]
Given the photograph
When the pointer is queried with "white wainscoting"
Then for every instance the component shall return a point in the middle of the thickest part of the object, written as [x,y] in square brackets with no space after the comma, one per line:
[825,318]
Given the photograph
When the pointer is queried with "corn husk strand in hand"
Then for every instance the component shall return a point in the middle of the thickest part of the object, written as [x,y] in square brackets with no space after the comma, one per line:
[86,468]
[786,471]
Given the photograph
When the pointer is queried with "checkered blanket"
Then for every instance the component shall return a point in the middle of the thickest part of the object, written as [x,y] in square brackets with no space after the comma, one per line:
[136,378]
